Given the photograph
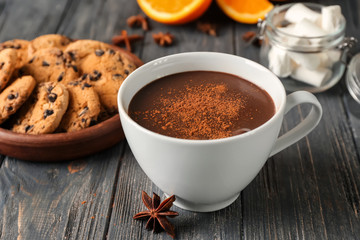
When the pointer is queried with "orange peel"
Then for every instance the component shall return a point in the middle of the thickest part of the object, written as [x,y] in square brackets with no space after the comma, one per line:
[174,11]
[245,11]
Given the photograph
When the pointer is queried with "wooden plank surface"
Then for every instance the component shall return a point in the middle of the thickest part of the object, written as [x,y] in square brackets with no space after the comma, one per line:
[70,200]
[308,191]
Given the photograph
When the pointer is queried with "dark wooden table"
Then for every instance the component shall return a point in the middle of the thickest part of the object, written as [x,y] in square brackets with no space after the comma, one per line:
[310,190]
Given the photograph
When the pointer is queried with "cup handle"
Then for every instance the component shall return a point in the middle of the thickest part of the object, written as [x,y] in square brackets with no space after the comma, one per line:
[305,126]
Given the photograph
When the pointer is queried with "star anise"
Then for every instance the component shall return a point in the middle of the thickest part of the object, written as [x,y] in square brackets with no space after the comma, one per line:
[249,36]
[252,38]
[157,213]
[208,28]
[163,39]
[138,20]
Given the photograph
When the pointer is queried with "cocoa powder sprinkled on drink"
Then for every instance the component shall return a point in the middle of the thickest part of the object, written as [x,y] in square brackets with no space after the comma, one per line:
[206,111]
[216,106]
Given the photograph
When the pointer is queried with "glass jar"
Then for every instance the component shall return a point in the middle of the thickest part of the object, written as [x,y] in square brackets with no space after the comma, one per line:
[353,78]
[314,64]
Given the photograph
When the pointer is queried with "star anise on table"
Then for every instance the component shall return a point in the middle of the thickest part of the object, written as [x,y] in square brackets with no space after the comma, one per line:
[163,39]
[208,28]
[157,213]
[251,37]
[138,21]
[248,36]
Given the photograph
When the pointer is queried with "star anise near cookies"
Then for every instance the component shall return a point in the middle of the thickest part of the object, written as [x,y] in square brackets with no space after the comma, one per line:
[157,213]
[163,39]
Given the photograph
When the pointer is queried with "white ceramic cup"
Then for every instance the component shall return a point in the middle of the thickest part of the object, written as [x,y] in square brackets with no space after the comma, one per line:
[208,175]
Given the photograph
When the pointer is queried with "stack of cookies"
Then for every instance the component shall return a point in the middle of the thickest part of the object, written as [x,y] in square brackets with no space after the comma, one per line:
[53,84]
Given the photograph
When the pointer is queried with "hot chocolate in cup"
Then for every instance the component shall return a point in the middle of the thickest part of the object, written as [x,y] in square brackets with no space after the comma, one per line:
[208,175]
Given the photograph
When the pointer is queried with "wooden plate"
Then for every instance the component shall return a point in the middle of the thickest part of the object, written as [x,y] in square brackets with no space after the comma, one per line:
[64,146]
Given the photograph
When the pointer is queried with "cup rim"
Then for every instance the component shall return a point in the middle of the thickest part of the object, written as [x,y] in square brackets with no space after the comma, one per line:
[123,113]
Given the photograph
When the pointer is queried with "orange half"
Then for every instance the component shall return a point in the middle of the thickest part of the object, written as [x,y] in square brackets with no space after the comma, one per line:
[245,11]
[174,11]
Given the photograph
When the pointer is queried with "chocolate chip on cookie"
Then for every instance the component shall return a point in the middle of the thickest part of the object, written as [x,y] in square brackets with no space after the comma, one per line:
[48,112]
[45,63]
[52,97]
[95,75]
[60,77]
[99,52]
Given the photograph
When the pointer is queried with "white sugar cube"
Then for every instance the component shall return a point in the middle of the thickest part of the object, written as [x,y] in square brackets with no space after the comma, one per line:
[307,28]
[330,18]
[299,12]
[312,77]
[289,29]
[308,60]
[280,62]
[291,37]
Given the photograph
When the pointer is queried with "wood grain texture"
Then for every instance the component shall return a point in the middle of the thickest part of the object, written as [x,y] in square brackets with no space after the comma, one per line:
[310,190]
[29,19]
[69,200]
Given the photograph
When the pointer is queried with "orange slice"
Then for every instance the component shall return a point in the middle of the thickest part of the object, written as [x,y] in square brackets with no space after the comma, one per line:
[174,11]
[245,11]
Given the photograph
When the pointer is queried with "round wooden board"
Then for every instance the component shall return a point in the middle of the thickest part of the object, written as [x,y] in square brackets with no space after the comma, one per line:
[65,146]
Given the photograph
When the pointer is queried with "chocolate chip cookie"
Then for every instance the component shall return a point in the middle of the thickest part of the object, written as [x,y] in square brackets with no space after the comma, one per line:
[50,65]
[103,67]
[78,50]
[76,83]
[84,107]
[44,116]
[21,48]
[107,72]
[8,62]
[13,97]
[48,41]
